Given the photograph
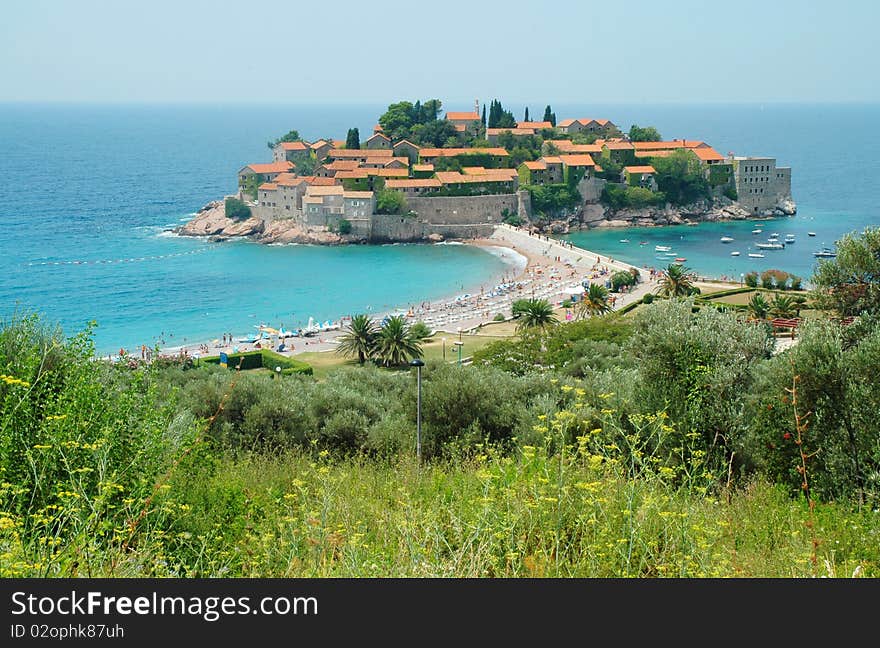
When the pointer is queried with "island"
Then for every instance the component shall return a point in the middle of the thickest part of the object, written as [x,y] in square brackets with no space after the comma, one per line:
[423,177]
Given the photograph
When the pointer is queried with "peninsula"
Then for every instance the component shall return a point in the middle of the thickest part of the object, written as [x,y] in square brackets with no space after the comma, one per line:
[423,177]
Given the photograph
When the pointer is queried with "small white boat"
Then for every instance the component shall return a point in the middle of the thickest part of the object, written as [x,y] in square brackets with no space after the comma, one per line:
[734,254]
[726,239]
[757,231]
[624,240]
[662,248]
[770,246]
[811,233]
[825,253]
[755,255]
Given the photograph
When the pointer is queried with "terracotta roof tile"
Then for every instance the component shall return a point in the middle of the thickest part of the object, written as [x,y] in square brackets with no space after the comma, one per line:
[645,168]
[577,160]
[534,125]
[338,153]
[404,183]
[535,165]
[271,167]
[294,146]
[357,194]
[268,186]
[463,116]
[451,152]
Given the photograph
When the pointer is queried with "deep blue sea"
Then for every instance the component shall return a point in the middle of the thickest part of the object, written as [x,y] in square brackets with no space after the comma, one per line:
[88,192]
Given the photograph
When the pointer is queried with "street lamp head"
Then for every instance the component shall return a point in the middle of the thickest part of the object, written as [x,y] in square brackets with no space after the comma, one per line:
[418,362]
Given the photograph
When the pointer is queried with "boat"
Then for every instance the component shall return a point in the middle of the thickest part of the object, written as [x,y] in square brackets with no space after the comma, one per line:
[756,255]
[662,248]
[726,239]
[757,231]
[692,223]
[789,238]
[811,233]
[734,254]
[680,259]
[825,253]
[643,242]
[770,245]
[624,240]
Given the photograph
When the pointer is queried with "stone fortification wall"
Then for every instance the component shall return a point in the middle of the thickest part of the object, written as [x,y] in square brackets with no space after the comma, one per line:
[462,210]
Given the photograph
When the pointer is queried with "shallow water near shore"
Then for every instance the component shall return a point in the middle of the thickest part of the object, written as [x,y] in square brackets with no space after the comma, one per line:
[89,191]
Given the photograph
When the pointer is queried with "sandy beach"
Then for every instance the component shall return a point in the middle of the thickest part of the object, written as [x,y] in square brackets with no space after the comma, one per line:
[540,267]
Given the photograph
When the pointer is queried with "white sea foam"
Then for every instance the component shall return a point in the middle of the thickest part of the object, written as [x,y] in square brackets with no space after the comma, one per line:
[511,257]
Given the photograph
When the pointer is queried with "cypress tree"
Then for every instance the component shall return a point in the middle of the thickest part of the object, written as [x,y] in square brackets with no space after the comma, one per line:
[484,116]
[353,139]
[527,114]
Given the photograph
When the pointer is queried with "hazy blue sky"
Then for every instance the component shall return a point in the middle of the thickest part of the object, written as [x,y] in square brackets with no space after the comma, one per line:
[457,50]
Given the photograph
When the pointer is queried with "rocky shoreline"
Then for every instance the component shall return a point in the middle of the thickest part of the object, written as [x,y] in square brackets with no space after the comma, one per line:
[211,221]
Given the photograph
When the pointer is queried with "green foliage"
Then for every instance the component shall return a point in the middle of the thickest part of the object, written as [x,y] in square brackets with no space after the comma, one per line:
[396,343]
[499,117]
[236,209]
[850,283]
[677,281]
[359,338]
[250,183]
[353,139]
[499,317]
[511,218]
[751,279]
[420,331]
[720,174]
[758,306]
[624,196]
[344,226]
[646,134]
[390,201]
[549,116]
[698,368]
[622,278]
[730,192]
[291,136]
[306,166]
[783,307]
[680,177]
[534,313]
[553,199]
[594,301]
[648,298]
[261,358]
[834,375]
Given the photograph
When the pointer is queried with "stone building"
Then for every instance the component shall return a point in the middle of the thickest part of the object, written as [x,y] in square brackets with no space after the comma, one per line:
[760,184]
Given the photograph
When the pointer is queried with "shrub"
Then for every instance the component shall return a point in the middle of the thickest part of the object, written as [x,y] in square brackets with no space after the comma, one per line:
[751,279]
[730,192]
[420,331]
[237,210]
[796,282]
[499,317]
[344,227]
[648,298]
[622,278]
[767,280]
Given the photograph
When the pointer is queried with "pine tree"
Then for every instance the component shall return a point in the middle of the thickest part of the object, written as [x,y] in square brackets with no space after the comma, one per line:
[548,115]
[527,114]
[417,116]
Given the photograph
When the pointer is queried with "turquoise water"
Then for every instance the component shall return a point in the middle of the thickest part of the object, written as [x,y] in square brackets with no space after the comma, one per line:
[93,188]
[100,184]
[835,183]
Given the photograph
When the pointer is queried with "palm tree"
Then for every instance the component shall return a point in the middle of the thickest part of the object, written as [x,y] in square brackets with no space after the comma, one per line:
[594,301]
[359,338]
[758,306]
[536,313]
[677,281]
[395,342]
[782,307]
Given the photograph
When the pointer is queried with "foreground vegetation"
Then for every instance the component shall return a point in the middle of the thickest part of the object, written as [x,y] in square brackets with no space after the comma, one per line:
[667,443]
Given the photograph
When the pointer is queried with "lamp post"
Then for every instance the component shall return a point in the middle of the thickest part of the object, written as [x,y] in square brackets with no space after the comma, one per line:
[278,372]
[459,345]
[459,333]
[418,363]
[444,349]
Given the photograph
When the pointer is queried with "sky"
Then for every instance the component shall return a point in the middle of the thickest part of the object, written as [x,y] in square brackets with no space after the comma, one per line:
[341,51]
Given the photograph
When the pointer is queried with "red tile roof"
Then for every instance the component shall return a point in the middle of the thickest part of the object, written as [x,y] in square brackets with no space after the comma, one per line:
[535,165]
[418,183]
[616,145]
[450,152]
[513,131]
[645,168]
[268,186]
[271,167]
[534,125]
[294,146]
[358,153]
[708,154]
[577,160]
[379,135]
[423,167]
[462,116]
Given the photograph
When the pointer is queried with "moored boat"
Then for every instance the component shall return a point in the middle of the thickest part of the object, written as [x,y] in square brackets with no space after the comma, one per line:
[734,254]
[726,239]
[756,255]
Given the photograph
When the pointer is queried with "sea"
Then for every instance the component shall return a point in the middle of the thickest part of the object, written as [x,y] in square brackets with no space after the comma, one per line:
[89,194]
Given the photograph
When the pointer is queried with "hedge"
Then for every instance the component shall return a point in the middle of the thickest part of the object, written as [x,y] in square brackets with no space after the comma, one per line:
[263,358]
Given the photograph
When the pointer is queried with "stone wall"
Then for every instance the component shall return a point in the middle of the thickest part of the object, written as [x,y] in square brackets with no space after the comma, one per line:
[462,210]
